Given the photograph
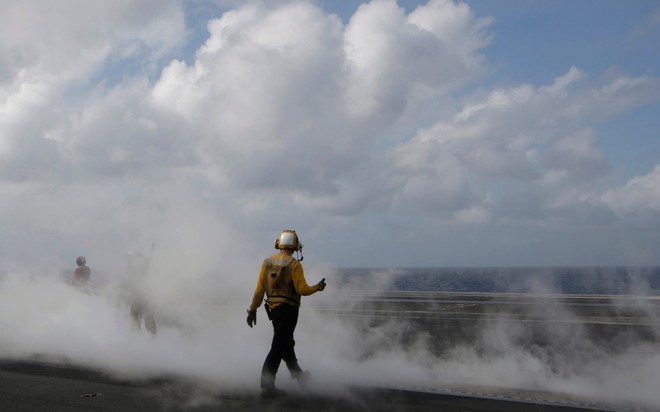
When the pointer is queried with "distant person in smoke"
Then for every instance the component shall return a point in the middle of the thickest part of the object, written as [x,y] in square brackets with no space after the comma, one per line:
[283,281]
[81,274]
[141,309]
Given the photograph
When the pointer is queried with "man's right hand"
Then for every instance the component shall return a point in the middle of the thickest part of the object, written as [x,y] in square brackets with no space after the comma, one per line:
[321,284]
[252,317]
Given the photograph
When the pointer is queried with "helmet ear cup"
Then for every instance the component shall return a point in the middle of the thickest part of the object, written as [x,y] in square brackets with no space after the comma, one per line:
[277,243]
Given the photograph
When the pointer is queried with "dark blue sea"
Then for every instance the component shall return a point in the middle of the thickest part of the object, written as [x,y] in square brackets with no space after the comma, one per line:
[563,280]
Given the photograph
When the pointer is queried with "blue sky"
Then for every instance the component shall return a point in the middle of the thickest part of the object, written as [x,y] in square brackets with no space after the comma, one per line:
[388,134]
[537,40]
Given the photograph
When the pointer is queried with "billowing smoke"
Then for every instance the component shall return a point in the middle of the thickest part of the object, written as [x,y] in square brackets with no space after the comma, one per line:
[546,347]
[200,286]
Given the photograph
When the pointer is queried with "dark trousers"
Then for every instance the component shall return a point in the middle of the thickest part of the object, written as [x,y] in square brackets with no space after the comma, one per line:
[284,318]
[140,310]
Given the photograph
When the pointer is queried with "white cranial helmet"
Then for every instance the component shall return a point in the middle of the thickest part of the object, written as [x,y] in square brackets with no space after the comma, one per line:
[288,239]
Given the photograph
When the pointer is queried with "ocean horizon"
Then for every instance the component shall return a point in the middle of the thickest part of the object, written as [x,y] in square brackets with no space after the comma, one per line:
[605,280]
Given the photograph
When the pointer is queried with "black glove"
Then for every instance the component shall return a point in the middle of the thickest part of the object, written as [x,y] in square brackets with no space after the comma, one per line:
[252,317]
[321,284]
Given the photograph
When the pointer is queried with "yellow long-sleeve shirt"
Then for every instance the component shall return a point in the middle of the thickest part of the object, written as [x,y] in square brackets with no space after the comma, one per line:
[282,279]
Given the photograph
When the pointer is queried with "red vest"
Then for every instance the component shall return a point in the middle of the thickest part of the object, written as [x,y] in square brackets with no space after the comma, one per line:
[81,275]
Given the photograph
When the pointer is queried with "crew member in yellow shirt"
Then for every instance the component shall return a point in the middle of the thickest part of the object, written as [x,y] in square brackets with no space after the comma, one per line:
[283,281]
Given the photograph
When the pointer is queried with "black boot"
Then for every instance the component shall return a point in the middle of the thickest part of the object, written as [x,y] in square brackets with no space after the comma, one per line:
[272,392]
[303,378]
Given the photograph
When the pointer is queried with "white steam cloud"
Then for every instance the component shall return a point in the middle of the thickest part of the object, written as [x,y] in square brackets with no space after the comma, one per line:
[200,300]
